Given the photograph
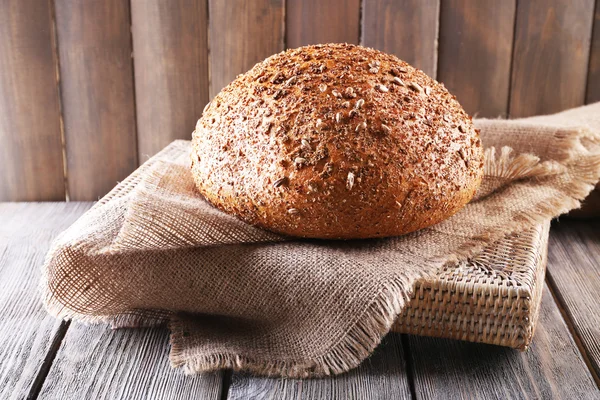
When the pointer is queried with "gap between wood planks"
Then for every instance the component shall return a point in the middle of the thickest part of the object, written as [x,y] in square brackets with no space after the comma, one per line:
[410,371]
[61,120]
[567,317]
[227,376]
[40,378]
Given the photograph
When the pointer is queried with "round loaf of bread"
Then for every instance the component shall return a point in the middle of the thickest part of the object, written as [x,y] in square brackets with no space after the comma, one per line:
[336,141]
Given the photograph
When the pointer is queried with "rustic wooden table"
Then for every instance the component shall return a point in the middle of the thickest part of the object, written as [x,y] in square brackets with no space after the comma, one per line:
[43,358]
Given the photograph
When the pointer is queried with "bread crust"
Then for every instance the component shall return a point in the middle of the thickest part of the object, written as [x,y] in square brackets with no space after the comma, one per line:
[336,141]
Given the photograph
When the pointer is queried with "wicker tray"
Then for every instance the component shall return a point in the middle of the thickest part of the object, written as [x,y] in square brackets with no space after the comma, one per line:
[485,299]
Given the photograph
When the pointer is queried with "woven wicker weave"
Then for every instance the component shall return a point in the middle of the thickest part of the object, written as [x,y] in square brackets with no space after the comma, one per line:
[488,299]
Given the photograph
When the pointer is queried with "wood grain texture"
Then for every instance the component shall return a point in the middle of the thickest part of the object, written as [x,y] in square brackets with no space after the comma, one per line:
[574,272]
[30,135]
[407,28]
[593,80]
[551,368]
[95,362]
[382,376]
[242,33]
[26,330]
[171,70]
[550,59]
[322,21]
[475,50]
[97,94]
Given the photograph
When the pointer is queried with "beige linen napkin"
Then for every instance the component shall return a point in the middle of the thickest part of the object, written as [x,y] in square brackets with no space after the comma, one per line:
[154,251]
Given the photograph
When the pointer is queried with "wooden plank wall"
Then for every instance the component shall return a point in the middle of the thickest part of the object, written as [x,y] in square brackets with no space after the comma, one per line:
[99,86]
[170,43]
[475,51]
[242,33]
[322,21]
[551,55]
[30,134]
[408,29]
[593,85]
[96,76]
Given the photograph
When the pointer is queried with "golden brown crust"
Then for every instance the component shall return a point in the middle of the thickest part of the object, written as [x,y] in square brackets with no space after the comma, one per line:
[336,141]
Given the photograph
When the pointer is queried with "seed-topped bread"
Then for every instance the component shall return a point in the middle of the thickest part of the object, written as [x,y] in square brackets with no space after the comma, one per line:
[336,141]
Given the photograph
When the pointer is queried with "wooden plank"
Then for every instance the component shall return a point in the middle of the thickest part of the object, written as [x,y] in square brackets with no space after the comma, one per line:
[475,51]
[95,362]
[94,43]
[26,330]
[322,21]
[591,206]
[574,272]
[408,29]
[170,46]
[383,376]
[30,136]
[593,81]
[550,59]
[551,368]
[242,33]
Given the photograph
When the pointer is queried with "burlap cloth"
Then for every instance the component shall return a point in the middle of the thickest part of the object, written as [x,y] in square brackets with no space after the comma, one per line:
[153,251]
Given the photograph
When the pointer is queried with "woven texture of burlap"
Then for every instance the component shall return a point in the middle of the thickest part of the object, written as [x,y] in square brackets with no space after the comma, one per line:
[153,251]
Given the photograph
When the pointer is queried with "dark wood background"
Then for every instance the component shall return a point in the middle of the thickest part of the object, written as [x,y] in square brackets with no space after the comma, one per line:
[89,89]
